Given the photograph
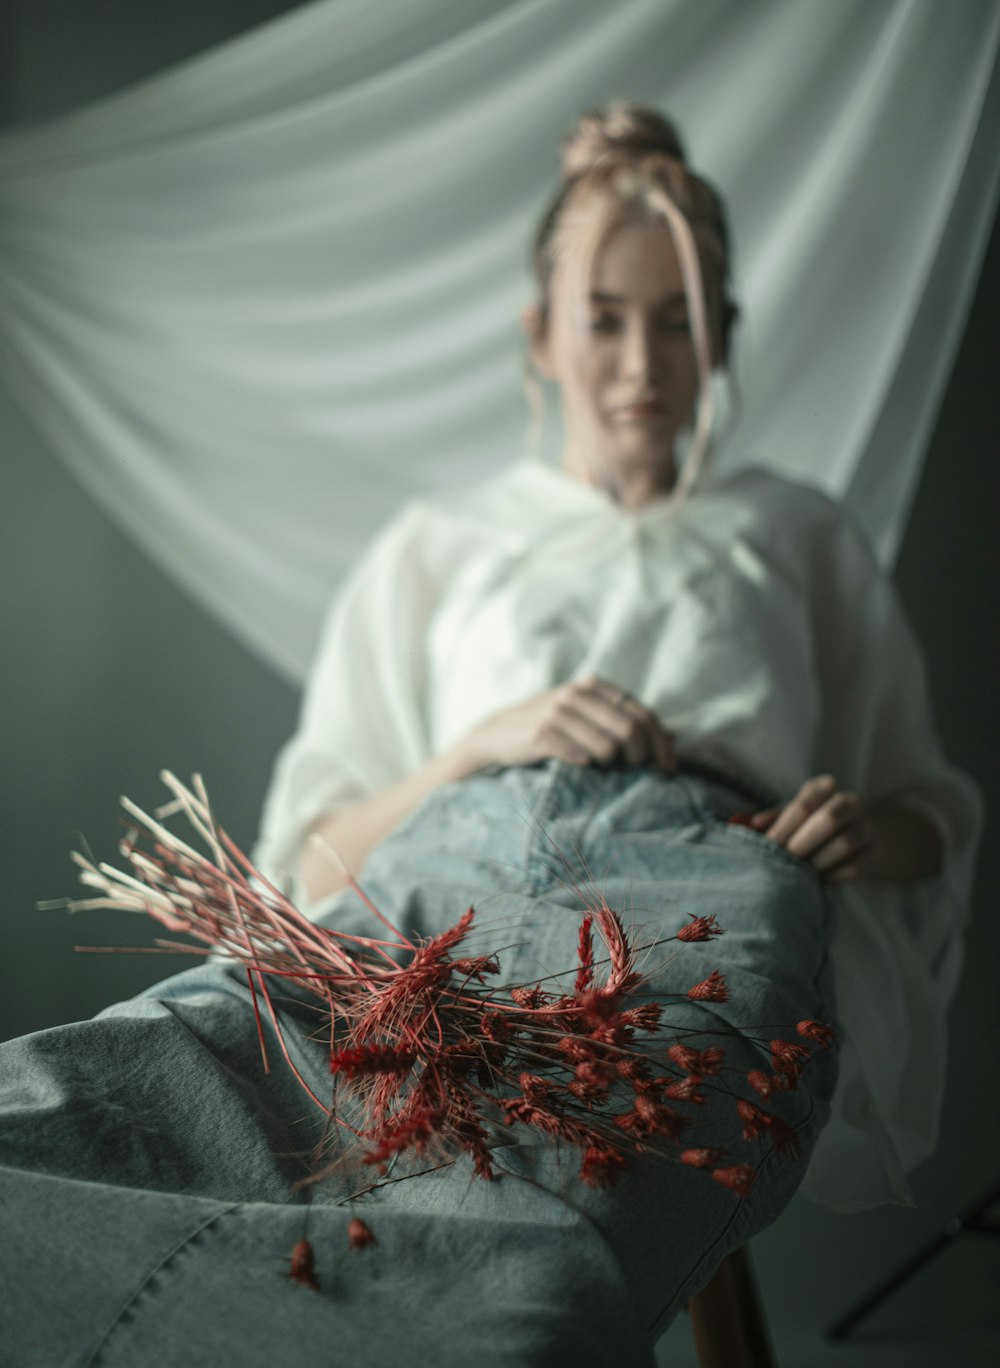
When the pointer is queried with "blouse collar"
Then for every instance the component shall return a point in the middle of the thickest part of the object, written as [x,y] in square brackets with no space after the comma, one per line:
[570,492]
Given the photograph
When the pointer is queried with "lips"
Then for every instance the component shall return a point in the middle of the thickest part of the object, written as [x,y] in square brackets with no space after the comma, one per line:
[646,409]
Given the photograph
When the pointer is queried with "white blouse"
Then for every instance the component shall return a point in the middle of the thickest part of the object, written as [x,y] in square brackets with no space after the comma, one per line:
[757,624]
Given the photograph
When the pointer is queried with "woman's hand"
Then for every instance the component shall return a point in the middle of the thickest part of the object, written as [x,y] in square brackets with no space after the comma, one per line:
[830,828]
[583,722]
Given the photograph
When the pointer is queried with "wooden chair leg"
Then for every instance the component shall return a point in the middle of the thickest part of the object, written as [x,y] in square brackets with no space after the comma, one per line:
[727,1316]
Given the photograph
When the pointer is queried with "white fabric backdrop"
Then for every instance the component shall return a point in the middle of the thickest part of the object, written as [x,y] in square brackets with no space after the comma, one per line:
[257,301]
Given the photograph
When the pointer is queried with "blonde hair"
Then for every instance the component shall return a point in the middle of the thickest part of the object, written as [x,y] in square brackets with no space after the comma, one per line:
[626,161]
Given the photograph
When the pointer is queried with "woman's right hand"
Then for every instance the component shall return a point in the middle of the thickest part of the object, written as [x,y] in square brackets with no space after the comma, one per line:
[583,722]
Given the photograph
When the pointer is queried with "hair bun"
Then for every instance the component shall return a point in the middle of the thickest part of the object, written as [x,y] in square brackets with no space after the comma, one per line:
[617,130]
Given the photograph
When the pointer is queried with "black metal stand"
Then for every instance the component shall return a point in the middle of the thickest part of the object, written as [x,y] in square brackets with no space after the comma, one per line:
[972,1221]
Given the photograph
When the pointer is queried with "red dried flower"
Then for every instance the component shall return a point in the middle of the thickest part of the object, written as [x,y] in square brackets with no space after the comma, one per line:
[634,1069]
[621,976]
[438,945]
[784,1082]
[684,1057]
[358,1234]
[598,1006]
[739,1177]
[494,1026]
[601,1164]
[783,1137]
[699,929]
[815,1030]
[585,953]
[528,997]
[465,1125]
[596,1071]
[651,1118]
[696,1062]
[520,1109]
[754,1120]
[702,1158]
[367,1059]
[576,1048]
[712,989]
[476,966]
[534,1087]
[415,1130]
[788,1057]
[459,1057]
[685,1090]
[591,1079]
[302,1269]
[644,1018]
[762,1082]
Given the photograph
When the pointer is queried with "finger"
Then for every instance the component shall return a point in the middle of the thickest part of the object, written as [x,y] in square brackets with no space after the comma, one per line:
[847,845]
[561,745]
[762,820]
[844,873]
[666,756]
[838,816]
[616,712]
[641,734]
[812,794]
[578,724]
[655,743]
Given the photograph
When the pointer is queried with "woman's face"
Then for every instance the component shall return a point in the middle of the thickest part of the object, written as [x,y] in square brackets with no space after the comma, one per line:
[625,364]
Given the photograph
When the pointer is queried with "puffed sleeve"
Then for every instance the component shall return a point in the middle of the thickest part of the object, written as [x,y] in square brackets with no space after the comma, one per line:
[897,950]
[362,720]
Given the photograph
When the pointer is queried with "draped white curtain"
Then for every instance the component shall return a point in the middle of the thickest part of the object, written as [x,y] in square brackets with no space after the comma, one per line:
[256,302]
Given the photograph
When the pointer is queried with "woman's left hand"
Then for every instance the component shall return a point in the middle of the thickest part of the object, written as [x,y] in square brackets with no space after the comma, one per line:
[823,824]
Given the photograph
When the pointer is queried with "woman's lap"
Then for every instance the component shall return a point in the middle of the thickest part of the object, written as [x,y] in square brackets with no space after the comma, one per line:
[155,1118]
[537,841]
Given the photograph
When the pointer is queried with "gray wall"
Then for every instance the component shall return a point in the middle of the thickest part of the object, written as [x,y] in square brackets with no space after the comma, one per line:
[111,674]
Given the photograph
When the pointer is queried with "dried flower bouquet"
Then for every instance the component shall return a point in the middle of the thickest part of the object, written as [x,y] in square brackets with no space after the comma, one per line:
[436,1056]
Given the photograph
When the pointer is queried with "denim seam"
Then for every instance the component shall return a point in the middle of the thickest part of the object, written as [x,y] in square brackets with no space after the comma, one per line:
[737,1223]
[538,859]
[721,826]
[769,849]
[97,1353]
[700,809]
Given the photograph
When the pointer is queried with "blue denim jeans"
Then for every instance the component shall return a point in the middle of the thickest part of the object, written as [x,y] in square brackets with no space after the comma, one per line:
[150,1170]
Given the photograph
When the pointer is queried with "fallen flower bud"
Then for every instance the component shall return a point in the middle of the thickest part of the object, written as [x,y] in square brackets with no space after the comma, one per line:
[358,1234]
[302,1269]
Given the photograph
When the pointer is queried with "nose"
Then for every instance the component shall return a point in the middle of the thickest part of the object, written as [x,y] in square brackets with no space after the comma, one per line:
[638,355]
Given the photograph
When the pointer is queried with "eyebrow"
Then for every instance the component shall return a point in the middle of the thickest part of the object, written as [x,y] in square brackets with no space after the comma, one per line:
[602,297]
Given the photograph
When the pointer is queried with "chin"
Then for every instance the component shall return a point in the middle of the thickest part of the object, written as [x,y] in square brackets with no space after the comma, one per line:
[644,454]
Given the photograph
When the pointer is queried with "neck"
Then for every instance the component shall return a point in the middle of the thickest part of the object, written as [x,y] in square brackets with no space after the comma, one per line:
[628,486]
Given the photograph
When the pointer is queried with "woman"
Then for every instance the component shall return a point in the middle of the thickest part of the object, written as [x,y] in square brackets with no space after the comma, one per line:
[632,652]
[632,363]
[560,677]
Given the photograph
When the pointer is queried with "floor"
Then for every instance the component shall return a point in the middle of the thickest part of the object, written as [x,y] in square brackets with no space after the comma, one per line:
[813,1265]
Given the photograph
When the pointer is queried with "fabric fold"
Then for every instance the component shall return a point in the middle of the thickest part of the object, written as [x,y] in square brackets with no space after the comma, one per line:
[259,301]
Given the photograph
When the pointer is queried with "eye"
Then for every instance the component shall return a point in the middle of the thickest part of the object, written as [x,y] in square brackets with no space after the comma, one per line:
[604,323]
[675,325]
